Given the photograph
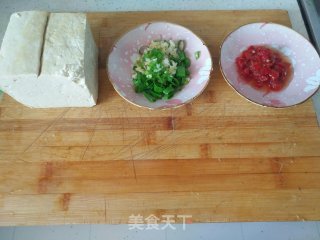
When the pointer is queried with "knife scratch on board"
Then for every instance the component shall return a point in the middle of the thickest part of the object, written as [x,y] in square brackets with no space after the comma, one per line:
[172,121]
[46,129]
[92,135]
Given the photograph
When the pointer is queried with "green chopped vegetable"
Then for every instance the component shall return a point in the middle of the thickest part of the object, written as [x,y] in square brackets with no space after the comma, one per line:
[181,71]
[161,70]
[197,55]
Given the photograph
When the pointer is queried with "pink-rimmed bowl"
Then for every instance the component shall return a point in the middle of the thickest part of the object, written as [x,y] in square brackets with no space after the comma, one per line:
[125,51]
[304,59]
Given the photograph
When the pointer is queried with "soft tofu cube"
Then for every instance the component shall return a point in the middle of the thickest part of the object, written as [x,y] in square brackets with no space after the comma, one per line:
[20,53]
[69,61]
[67,73]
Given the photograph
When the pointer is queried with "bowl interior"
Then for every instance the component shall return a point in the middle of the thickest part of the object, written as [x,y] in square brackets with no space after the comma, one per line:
[304,59]
[125,51]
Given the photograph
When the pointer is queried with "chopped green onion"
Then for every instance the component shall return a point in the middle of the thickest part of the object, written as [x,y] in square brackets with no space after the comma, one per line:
[197,55]
[149,97]
[157,89]
[161,70]
[181,71]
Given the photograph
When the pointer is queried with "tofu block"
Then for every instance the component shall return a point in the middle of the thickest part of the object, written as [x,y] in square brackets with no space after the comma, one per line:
[20,53]
[69,62]
[67,74]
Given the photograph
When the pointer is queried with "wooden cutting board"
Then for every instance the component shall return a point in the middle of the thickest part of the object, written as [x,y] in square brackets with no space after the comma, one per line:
[218,159]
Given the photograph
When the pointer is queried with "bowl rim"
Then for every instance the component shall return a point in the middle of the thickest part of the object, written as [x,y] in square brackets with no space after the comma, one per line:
[163,107]
[245,97]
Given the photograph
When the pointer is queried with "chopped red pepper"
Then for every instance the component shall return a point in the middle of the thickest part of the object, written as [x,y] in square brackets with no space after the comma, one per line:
[264,68]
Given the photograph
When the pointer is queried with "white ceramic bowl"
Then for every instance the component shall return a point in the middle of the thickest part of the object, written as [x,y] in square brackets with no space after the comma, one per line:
[304,59]
[125,51]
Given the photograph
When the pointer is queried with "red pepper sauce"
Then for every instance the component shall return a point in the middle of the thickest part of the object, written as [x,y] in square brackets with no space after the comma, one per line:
[264,68]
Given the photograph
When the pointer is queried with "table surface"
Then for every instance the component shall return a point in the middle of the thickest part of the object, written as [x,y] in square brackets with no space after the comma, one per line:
[218,159]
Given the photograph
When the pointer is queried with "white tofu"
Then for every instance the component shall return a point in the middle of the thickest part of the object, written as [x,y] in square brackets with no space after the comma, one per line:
[69,62]
[67,76]
[20,53]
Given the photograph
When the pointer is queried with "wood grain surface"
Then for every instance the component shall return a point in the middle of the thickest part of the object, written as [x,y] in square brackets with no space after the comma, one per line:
[219,158]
